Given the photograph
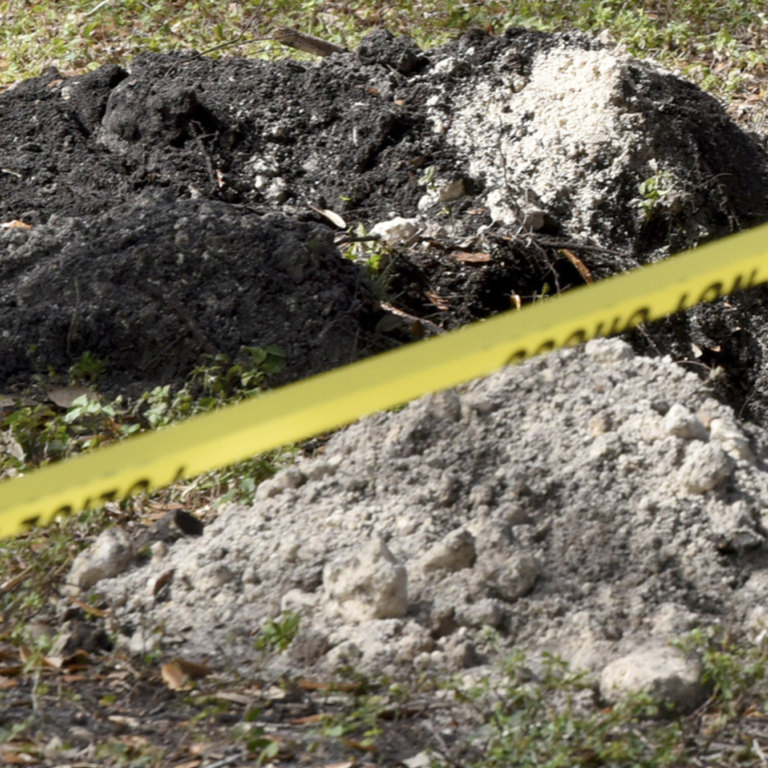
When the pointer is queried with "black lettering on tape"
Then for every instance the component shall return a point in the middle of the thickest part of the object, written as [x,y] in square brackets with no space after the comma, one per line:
[545,346]
[615,328]
[579,336]
[30,522]
[138,487]
[683,303]
[711,292]
[751,281]
[179,474]
[103,499]
[516,357]
[65,510]
[642,315]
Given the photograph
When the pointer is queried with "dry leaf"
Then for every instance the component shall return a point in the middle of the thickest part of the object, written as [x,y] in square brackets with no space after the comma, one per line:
[346,764]
[439,302]
[14,581]
[235,697]
[178,672]
[89,609]
[162,580]
[11,756]
[173,677]
[472,258]
[7,682]
[516,300]
[317,685]
[359,745]
[307,719]
[417,330]
[332,216]
[579,264]
[64,397]
[189,764]
[16,224]
[129,722]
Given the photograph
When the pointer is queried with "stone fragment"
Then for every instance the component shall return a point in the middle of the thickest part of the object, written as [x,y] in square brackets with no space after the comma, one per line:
[599,424]
[665,673]
[680,422]
[734,442]
[211,577]
[108,556]
[733,528]
[672,619]
[509,578]
[608,350]
[454,552]
[396,231]
[705,467]
[371,584]
[291,477]
[298,601]
[450,190]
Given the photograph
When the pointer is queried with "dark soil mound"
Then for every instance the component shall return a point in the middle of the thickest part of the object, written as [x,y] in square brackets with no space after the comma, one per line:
[151,285]
[174,205]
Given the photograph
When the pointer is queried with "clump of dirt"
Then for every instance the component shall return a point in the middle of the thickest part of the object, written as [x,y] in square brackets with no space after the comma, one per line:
[526,163]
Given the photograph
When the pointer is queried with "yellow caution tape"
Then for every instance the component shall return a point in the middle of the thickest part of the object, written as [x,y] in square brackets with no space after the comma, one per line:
[330,400]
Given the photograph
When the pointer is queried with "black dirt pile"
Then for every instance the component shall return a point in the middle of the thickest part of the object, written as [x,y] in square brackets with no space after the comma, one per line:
[173,208]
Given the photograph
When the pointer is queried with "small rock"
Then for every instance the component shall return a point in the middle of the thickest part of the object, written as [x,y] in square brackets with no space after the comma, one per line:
[680,422]
[372,584]
[509,578]
[420,760]
[396,231]
[599,424]
[108,556]
[734,442]
[211,578]
[450,190]
[454,552]
[705,467]
[733,528]
[608,350]
[664,672]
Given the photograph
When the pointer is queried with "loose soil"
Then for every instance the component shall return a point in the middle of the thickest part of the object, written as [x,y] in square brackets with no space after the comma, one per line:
[584,503]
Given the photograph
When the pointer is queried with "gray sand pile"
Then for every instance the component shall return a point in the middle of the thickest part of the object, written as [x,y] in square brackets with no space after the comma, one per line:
[588,503]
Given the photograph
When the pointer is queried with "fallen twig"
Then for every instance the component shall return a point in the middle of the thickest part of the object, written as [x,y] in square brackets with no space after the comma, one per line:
[307,43]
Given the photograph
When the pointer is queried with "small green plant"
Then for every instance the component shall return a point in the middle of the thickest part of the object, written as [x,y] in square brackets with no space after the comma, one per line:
[278,635]
[542,719]
[731,670]
[88,368]
[219,380]
[653,192]
[255,737]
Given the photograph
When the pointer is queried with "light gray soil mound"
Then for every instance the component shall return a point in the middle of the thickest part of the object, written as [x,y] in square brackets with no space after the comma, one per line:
[586,503]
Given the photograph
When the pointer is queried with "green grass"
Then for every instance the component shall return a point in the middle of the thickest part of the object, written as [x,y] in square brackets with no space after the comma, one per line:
[721,45]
